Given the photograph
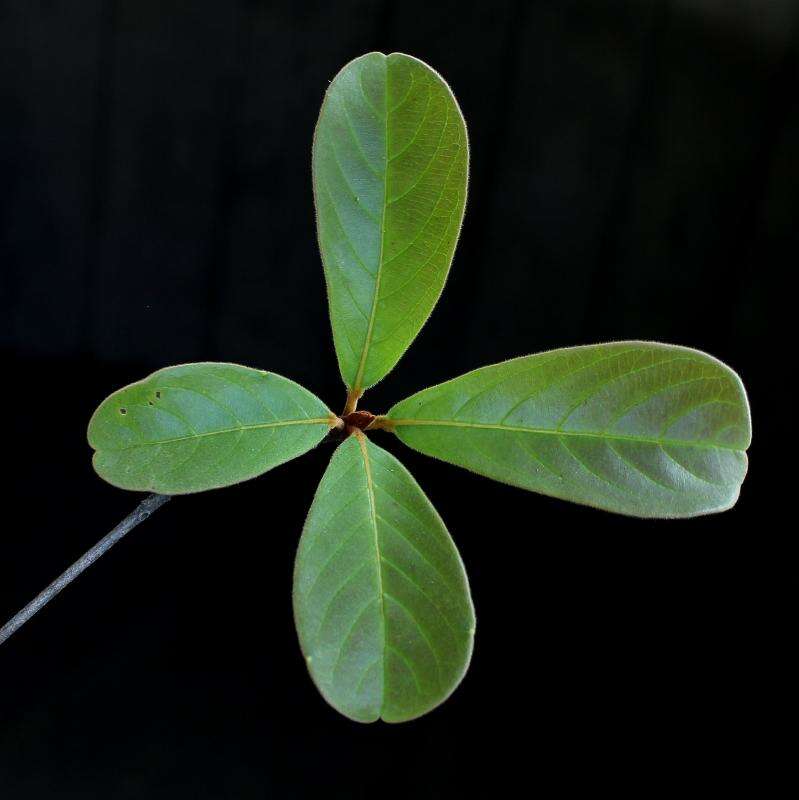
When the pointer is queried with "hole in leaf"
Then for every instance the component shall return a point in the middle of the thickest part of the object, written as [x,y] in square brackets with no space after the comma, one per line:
[158,395]
[123,411]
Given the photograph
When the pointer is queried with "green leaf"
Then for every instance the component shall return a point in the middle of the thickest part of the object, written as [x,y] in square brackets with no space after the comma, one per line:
[381,599]
[201,426]
[640,428]
[390,164]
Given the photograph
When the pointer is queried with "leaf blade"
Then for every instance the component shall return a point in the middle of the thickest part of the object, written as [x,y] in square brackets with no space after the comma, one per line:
[195,427]
[381,599]
[390,166]
[637,428]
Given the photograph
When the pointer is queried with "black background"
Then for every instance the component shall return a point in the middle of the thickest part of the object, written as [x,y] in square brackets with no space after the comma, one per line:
[634,174]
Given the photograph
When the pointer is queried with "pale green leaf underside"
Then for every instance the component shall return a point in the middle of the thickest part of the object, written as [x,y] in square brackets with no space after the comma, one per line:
[390,164]
[381,599]
[639,428]
[201,426]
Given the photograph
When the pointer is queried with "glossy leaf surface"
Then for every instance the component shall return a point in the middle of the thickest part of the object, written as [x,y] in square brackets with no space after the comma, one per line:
[381,598]
[639,428]
[390,163]
[201,426]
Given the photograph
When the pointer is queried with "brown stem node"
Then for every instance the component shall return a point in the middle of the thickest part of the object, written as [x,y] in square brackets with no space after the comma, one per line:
[359,419]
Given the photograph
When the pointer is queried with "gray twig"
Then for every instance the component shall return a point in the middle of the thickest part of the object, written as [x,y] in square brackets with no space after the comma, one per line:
[150,503]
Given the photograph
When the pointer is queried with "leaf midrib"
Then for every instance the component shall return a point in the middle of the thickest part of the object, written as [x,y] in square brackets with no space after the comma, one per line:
[559,433]
[356,387]
[237,429]
[373,513]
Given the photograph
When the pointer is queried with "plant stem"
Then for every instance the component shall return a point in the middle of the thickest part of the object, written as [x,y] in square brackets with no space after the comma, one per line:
[352,402]
[150,503]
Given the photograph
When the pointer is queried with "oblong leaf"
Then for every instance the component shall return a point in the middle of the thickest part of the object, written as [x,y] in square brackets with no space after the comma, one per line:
[201,426]
[390,165]
[381,599]
[639,428]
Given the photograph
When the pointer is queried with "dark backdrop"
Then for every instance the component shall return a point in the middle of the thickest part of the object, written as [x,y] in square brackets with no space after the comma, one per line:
[634,175]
